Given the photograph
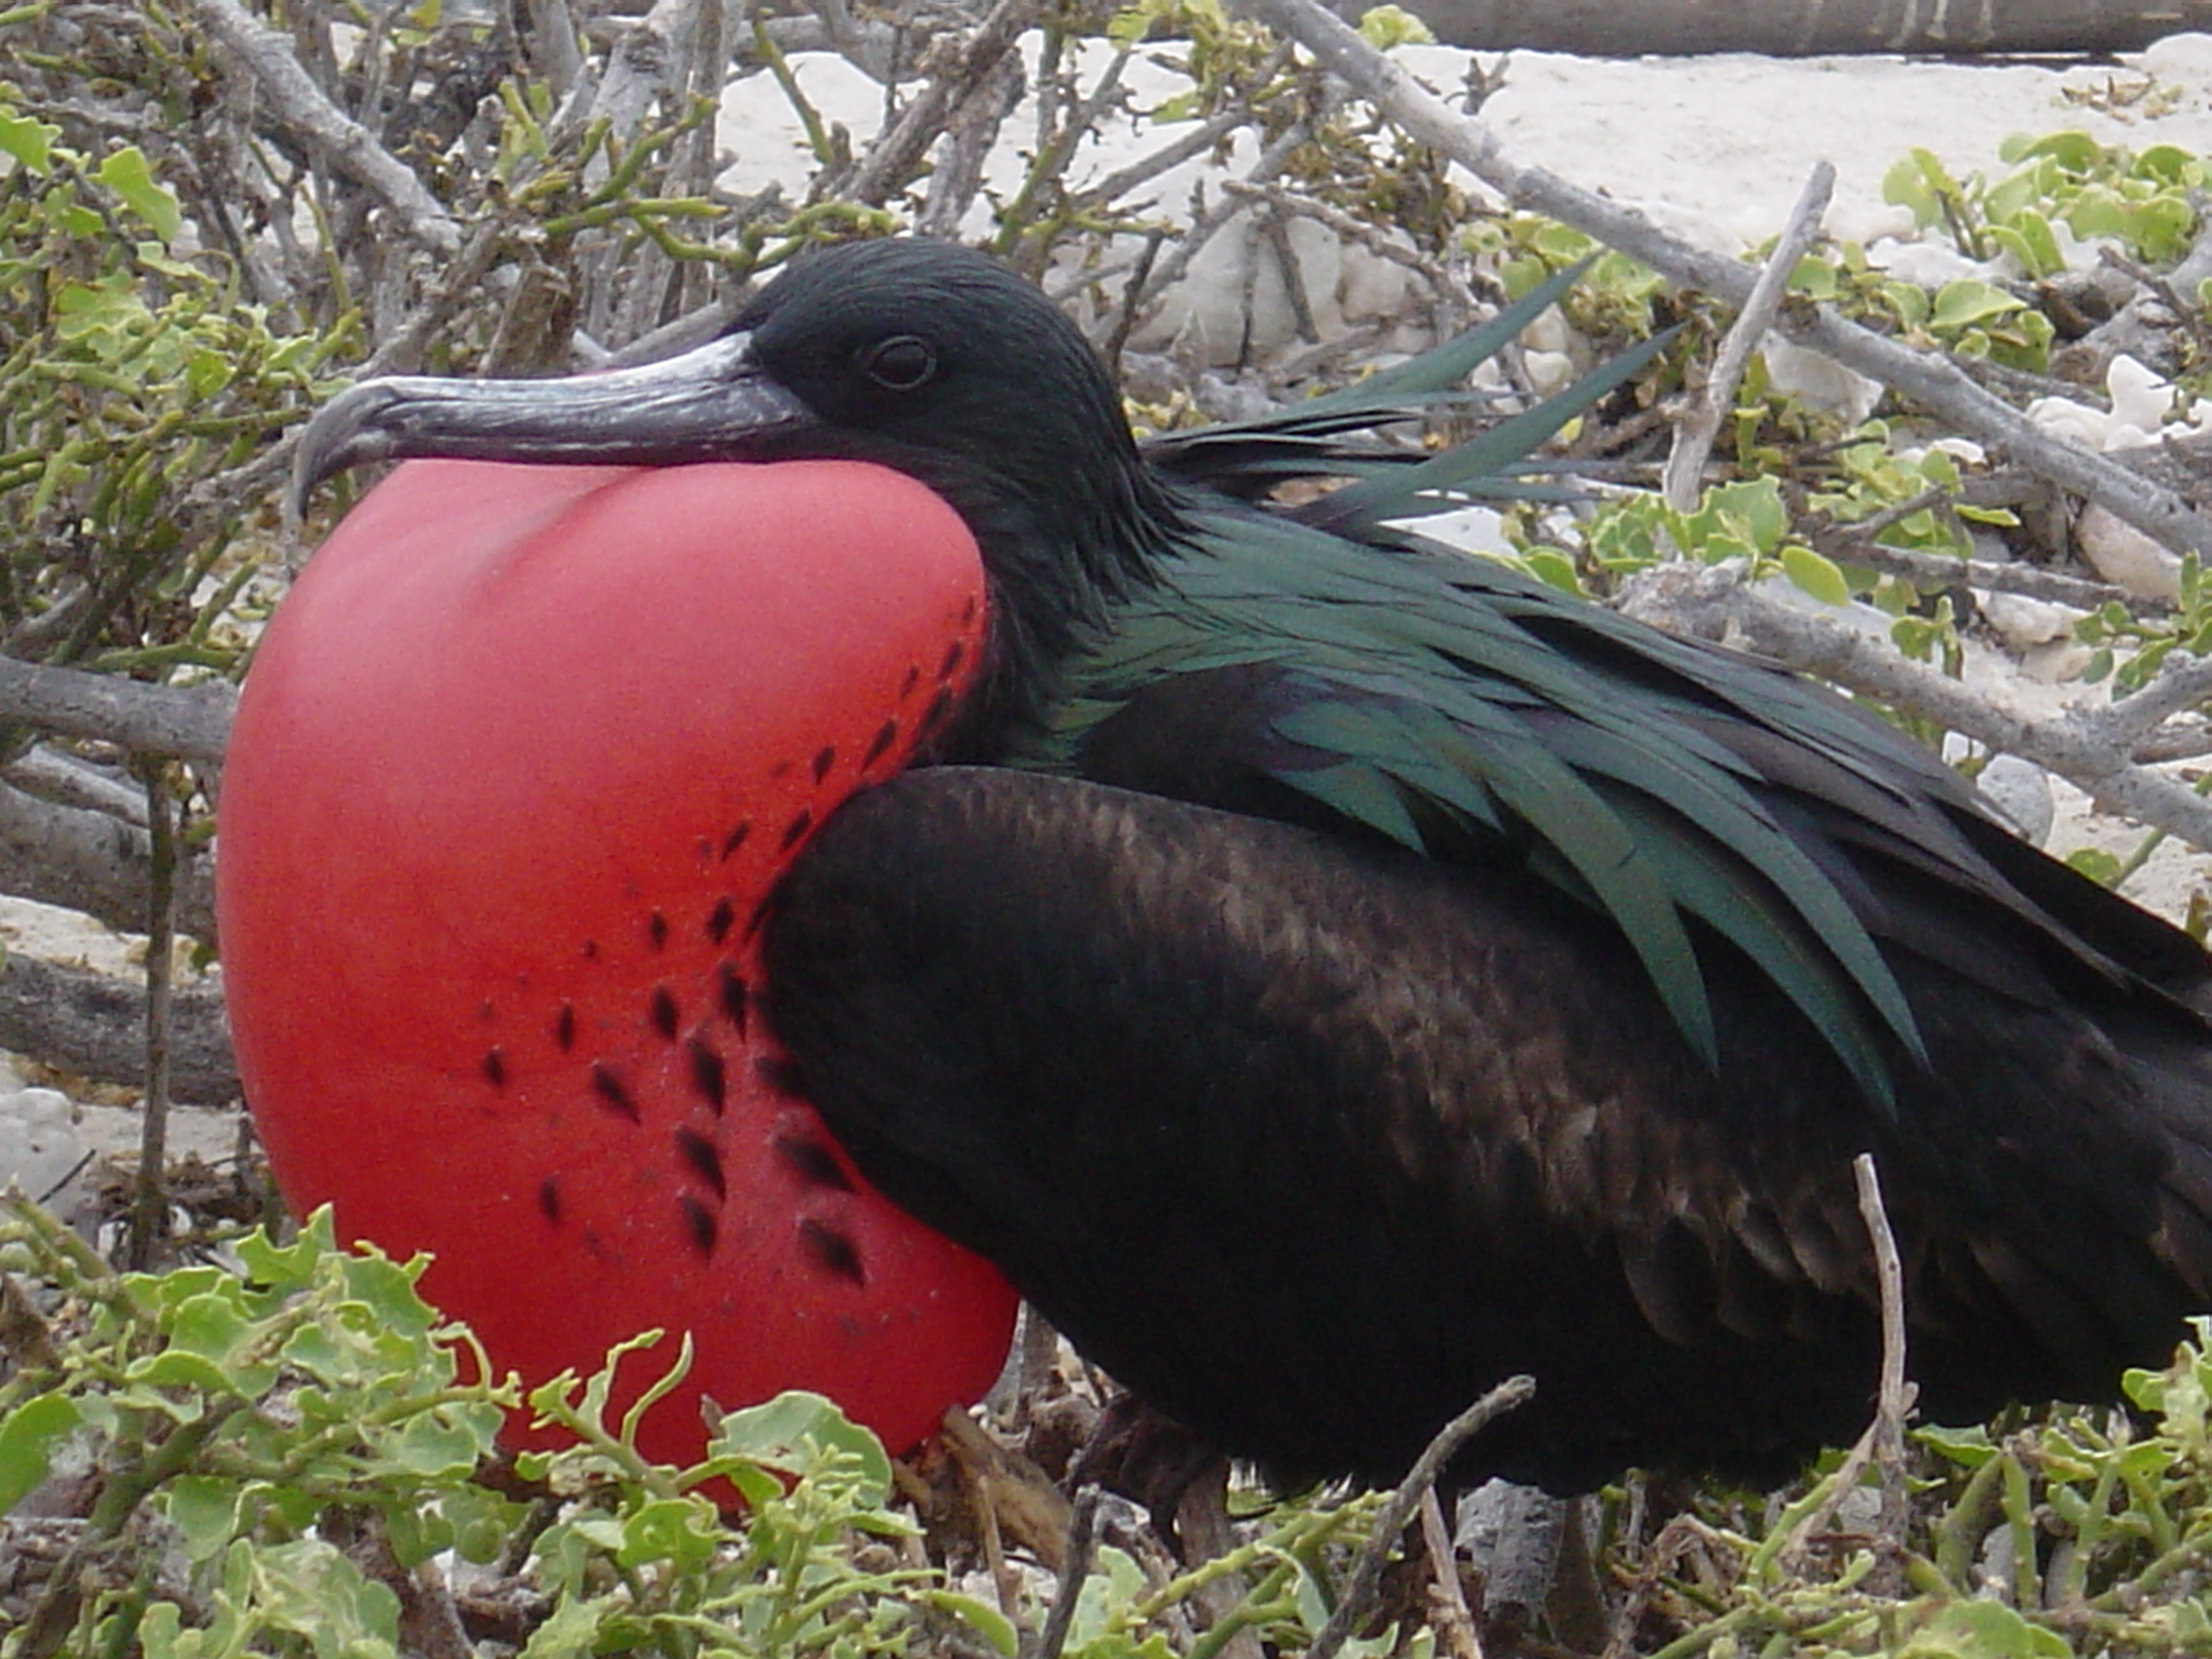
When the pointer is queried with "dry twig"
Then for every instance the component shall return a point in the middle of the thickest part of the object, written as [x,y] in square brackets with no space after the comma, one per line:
[1694,437]
[1883,1443]
[297,105]
[2089,748]
[192,723]
[1366,1581]
[1931,380]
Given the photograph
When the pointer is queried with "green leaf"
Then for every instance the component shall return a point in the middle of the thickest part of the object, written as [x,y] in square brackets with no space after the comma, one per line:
[1982,1630]
[446,1442]
[308,1589]
[2169,164]
[795,1431]
[1966,302]
[1386,26]
[287,1268]
[682,1531]
[205,1511]
[1553,566]
[572,1630]
[30,140]
[985,1620]
[1969,1448]
[214,1327]
[2029,239]
[28,1436]
[1815,278]
[1815,572]
[130,176]
[2099,865]
[2075,151]
[1906,185]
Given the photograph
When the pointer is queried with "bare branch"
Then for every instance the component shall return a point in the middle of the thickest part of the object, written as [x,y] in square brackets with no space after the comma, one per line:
[297,105]
[1693,438]
[1849,543]
[1883,1443]
[148,1209]
[93,862]
[1930,380]
[2082,747]
[191,722]
[1366,1579]
[899,152]
[95,1026]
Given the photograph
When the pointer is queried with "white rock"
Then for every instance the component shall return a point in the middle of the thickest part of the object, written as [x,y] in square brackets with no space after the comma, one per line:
[1960,449]
[2058,662]
[2186,58]
[1821,381]
[2020,790]
[1471,530]
[2125,557]
[1549,372]
[2140,397]
[1929,264]
[2022,622]
[39,1142]
[1548,332]
[2078,423]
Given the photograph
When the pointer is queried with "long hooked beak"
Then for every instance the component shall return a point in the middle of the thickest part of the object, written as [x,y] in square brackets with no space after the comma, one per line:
[712,403]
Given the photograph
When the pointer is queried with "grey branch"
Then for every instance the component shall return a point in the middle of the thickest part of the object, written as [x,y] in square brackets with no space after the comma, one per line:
[95,1026]
[1947,570]
[93,862]
[1361,1591]
[190,722]
[2091,749]
[1928,378]
[899,152]
[1795,29]
[1693,438]
[290,96]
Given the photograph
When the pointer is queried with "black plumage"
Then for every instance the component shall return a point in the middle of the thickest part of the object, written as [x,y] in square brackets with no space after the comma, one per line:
[1329,973]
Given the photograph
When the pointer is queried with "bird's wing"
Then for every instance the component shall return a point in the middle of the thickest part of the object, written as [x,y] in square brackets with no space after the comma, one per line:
[1310,1139]
[1693,796]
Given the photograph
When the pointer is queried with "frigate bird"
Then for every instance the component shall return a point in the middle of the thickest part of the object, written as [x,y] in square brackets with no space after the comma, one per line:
[1327,973]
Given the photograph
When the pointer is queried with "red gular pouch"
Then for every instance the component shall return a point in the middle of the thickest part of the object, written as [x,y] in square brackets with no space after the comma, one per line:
[518,765]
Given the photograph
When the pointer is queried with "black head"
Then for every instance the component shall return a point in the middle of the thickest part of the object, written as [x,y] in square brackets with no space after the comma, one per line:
[937,353]
[922,356]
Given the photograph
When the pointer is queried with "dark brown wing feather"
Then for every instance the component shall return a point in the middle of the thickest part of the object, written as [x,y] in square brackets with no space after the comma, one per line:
[1310,1141]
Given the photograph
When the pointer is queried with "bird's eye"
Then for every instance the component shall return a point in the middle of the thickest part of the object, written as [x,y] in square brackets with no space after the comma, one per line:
[902,364]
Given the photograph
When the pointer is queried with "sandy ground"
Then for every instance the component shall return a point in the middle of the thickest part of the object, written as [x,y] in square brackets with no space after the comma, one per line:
[1716,147]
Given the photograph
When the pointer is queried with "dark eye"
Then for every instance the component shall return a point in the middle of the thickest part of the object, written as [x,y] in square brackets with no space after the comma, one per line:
[902,363]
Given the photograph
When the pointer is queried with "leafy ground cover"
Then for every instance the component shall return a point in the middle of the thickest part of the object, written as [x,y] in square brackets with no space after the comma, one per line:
[295,1455]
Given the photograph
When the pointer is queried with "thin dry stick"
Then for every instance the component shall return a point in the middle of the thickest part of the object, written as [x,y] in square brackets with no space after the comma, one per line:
[1693,438]
[1853,543]
[1082,1534]
[292,101]
[1894,1400]
[1366,1583]
[149,1212]
[2085,746]
[1883,1443]
[899,152]
[1451,1614]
